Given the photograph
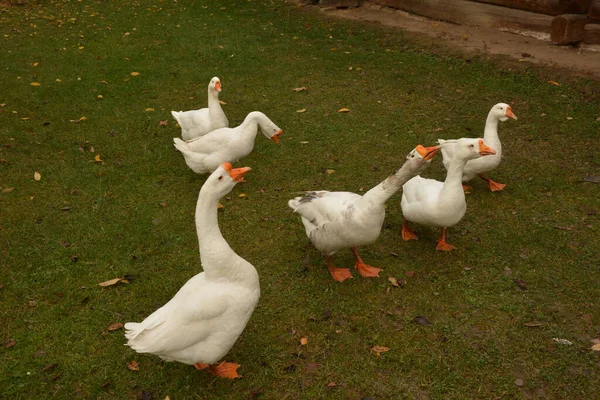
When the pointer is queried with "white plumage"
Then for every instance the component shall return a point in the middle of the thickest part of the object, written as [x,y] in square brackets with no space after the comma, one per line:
[477,167]
[205,153]
[200,324]
[339,220]
[441,204]
[195,123]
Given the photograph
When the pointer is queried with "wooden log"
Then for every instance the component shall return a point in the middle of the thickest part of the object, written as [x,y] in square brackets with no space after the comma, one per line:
[549,7]
[568,29]
[467,12]
[591,34]
[338,3]
[594,10]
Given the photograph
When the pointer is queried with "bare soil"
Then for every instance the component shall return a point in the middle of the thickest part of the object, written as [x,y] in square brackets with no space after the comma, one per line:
[522,47]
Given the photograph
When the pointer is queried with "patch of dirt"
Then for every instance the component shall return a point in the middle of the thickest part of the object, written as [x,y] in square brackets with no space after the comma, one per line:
[523,47]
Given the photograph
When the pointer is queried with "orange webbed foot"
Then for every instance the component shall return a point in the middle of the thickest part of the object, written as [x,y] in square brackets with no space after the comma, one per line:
[407,234]
[442,245]
[225,370]
[366,271]
[467,188]
[340,274]
[496,186]
[493,186]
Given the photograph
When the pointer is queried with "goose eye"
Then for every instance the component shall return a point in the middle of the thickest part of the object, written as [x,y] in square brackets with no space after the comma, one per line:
[471,145]
[221,177]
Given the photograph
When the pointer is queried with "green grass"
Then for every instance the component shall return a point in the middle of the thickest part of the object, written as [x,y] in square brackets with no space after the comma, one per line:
[404,93]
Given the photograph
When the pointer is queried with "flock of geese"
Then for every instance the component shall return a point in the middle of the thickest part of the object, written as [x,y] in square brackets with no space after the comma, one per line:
[201,323]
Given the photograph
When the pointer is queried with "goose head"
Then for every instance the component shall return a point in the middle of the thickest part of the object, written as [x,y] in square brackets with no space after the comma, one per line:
[469,149]
[223,179]
[502,111]
[420,157]
[270,130]
[215,85]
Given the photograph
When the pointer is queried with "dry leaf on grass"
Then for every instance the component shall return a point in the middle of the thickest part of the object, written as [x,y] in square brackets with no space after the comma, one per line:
[149,109]
[163,123]
[35,84]
[301,111]
[596,347]
[303,341]
[8,189]
[97,158]
[115,326]
[299,89]
[37,176]
[123,279]
[554,83]
[533,324]
[329,171]
[393,281]
[10,343]
[379,350]
[135,73]
[133,366]
[344,110]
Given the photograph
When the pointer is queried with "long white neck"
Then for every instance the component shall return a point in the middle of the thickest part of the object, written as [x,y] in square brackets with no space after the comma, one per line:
[216,256]
[251,125]
[452,188]
[213,102]
[386,189]
[490,133]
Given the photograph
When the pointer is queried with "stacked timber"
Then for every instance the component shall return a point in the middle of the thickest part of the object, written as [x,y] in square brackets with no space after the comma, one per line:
[567,21]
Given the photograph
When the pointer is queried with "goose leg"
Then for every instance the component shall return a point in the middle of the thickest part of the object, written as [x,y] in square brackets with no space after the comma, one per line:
[223,370]
[365,270]
[442,244]
[339,274]
[494,186]
[467,188]
[407,234]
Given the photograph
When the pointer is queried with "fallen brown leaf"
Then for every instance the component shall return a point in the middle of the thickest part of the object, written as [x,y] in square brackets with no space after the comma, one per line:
[135,73]
[533,324]
[311,366]
[521,284]
[299,89]
[596,347]
[410,274]
[344,110]
[301,111]
[133,366]
[35,84]
[378,350]
[163,123]
[110,282]
[37,176]
[115,326]
[419,319]
[8,189]
[10,343]
[49,367]
[393,281]
[303,341]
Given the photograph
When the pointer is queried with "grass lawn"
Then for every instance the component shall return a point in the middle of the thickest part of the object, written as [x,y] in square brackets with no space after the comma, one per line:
[115,198]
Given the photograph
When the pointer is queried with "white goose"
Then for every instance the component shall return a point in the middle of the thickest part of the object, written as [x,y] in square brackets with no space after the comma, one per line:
[500,112]
[196,123]
[202,322]
[339,220]
[205,153]
[441,204]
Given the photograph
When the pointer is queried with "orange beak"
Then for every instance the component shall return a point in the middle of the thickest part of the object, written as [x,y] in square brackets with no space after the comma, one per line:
[427,152]
[275,137]
[485,150]
[218,86]
[510,114]
[237,174]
